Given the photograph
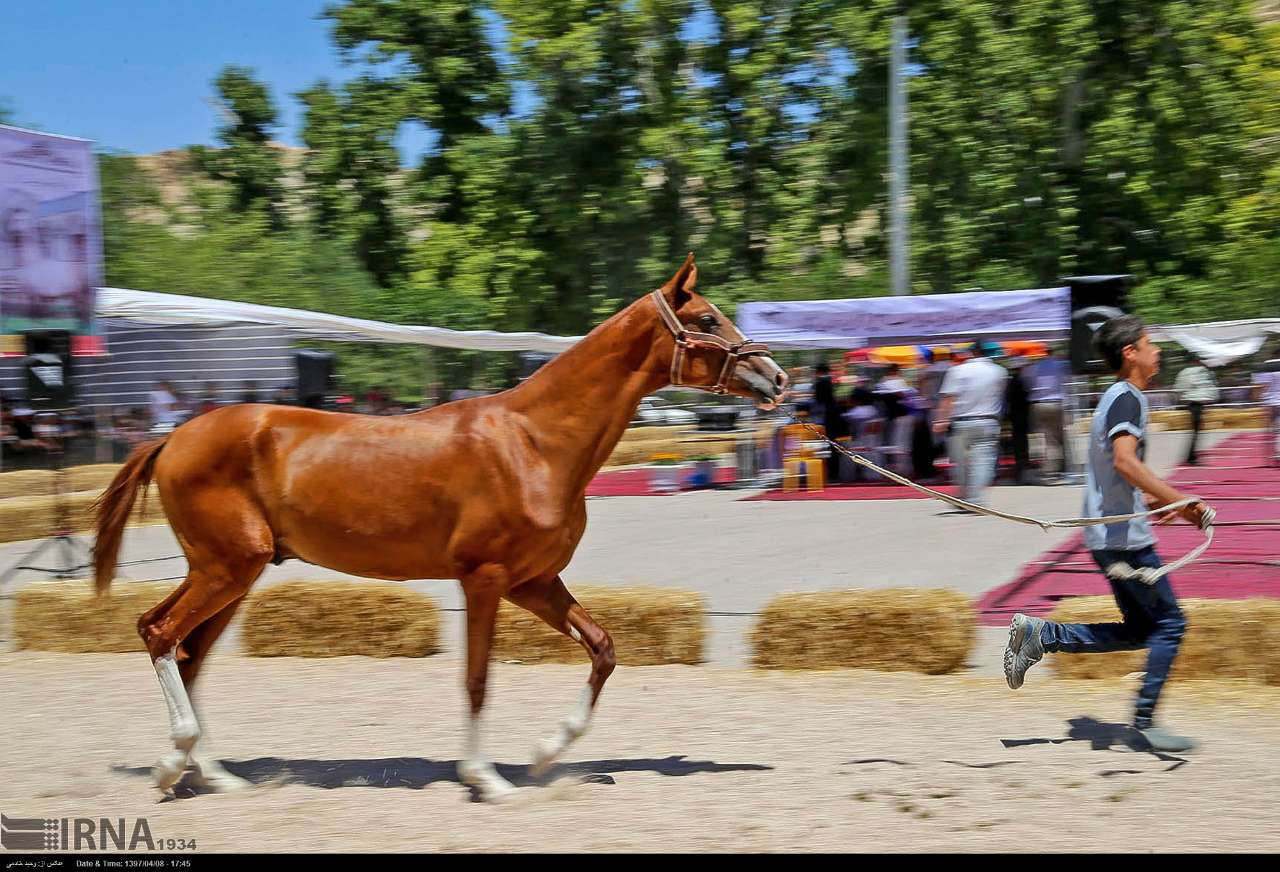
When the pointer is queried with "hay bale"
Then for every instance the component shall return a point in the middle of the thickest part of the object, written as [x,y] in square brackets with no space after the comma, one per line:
[866,629]
[23,518]
[1234,639]
[1172,419]
[33,517]
[640,443]
[629,455]
[66,616]
[1243,419]
[92,477]
[650,626]
[651,434]
[26,483]
[339,619]
[42,482]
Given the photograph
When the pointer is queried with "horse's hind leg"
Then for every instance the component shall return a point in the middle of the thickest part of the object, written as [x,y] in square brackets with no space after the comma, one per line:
[551,601]
[219,574]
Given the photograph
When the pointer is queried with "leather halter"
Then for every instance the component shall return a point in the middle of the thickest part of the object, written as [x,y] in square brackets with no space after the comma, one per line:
[687,339]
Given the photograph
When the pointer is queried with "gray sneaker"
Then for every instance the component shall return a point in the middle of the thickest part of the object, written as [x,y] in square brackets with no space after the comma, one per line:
[1163,740]
[1024,649]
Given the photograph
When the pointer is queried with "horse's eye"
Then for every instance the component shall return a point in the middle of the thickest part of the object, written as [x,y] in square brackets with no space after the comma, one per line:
[708,321]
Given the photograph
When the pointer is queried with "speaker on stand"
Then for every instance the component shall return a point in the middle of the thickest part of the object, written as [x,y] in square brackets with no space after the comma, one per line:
[1094,301]
[315,376]
[47,370]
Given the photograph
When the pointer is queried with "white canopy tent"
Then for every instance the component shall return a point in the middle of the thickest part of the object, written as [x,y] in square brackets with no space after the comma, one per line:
[148,307]
[1220,342]
[1029,314]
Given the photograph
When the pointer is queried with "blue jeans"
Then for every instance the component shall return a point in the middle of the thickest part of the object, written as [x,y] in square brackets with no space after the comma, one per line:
[1152,620]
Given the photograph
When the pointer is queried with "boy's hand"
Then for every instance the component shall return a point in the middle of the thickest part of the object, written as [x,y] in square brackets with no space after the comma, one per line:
[1154,502]
[1195,513]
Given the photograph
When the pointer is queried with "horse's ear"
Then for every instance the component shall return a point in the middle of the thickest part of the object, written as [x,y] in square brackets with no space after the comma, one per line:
[678,290]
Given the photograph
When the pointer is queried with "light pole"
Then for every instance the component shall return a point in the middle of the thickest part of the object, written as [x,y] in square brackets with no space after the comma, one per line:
[899,232]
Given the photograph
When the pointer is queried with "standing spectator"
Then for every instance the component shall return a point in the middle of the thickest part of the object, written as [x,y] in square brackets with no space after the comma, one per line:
[165,410]
[1017,405]
[209,401]
[250,394]
[1048,377]
[1267,391]
[865,426]
[972,402]
[1197,388]
[825,411]
[20,430]
[127,432]
[930,385]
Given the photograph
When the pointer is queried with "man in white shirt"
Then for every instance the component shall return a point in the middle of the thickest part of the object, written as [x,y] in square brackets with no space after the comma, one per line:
[164,405]
[1267,392]
[972,401]
[1197,388]
[893,382]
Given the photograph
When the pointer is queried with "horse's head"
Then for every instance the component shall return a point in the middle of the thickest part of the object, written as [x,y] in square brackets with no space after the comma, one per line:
[710,352]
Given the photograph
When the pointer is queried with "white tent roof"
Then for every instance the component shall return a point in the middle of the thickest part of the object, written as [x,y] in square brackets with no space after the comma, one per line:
[1041,313]
[1219,342]
[148,307]
[1216,342]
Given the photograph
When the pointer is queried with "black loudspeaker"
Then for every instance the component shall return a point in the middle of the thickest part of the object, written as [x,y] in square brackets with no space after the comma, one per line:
[1085,324]
[48,369]
[532,361]
[1094,301]
[315,376]
[718,418]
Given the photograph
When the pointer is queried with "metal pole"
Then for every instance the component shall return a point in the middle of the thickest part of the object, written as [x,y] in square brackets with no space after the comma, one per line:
[899,233]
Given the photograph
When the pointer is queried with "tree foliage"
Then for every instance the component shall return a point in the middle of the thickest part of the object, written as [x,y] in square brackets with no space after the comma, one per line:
[581,147]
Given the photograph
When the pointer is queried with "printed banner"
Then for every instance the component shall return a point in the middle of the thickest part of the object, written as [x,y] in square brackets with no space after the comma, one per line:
[50,238]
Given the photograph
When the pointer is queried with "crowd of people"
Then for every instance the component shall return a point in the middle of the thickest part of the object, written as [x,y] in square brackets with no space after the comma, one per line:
[974,403]
[953,402]
[29,437]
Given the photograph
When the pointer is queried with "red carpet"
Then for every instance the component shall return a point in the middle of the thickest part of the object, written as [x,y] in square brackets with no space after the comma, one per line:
[1244,560]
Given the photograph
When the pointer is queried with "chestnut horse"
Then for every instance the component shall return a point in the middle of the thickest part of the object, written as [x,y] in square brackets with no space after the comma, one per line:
[489,490]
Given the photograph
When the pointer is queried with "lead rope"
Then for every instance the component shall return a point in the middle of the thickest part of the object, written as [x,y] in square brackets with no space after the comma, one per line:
[1120,570]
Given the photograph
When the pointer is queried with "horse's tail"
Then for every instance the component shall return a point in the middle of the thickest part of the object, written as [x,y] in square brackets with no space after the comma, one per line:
[112,509]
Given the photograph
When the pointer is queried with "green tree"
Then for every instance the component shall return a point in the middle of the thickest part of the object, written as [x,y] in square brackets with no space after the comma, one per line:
[247,161]
[353,173]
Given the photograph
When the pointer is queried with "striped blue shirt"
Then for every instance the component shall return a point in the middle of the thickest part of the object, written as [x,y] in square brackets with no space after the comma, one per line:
[1122,410]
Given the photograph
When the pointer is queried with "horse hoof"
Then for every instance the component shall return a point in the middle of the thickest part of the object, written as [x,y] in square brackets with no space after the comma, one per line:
[210,775]
[544,754]
[498,793]
[486,781]
[168,770]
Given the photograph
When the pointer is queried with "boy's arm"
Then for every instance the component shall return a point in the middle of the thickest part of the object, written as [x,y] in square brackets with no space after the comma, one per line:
[1133,470]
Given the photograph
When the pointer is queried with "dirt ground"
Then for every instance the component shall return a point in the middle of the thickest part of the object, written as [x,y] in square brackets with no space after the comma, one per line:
[354,754]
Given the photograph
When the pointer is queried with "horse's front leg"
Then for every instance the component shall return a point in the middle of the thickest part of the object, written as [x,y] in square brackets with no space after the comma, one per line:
[483,591]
